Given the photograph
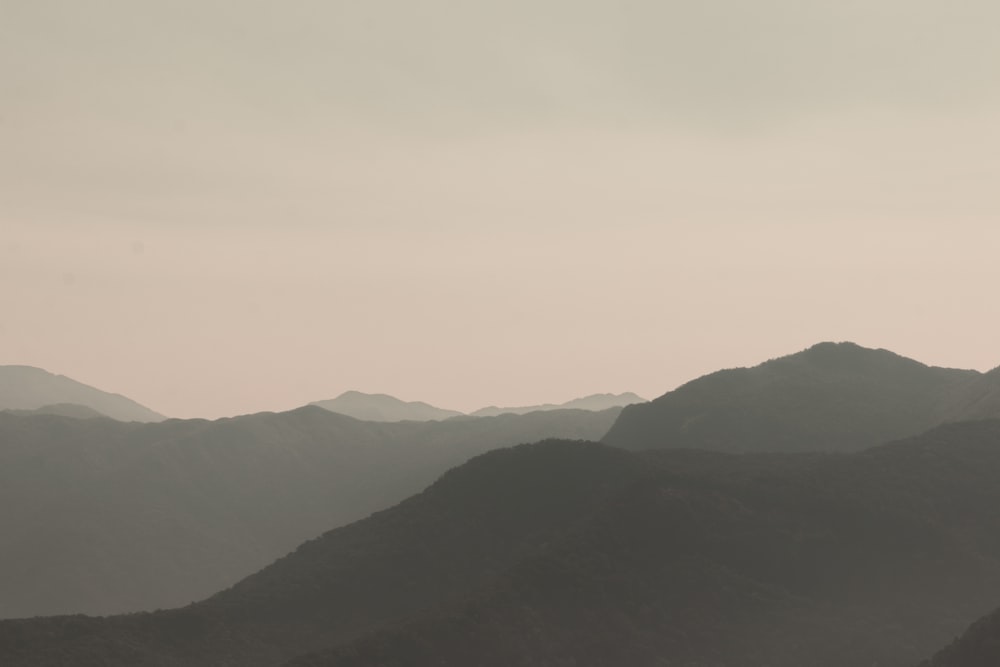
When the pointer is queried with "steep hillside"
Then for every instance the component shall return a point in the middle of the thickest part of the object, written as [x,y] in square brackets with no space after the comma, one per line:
[831,397]
[29,388]
[129,516]
[575,553]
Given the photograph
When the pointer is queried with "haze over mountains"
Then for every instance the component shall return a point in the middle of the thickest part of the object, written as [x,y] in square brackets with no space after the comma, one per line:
[742,520]
[29,388]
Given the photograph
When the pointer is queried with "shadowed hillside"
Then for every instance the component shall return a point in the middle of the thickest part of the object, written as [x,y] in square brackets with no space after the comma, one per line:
[472,524]
[575,553]
[979,646]
[831,397]
[99,516]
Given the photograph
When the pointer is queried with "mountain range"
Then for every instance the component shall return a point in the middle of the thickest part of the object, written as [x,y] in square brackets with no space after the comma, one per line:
[832,508]
[579,553]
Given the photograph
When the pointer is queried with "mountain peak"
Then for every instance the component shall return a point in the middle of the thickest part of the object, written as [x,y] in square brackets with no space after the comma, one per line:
[831,396]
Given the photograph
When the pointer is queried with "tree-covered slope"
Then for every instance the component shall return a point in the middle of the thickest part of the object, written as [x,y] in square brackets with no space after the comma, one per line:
[831,397]
[98,516]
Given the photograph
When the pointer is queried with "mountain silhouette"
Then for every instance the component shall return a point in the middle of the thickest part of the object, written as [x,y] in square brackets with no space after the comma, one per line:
[830,397]
[131,516]
[30,388]
[578,553]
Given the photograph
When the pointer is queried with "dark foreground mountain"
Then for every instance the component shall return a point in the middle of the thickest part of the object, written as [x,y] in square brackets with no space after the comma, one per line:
[29,388]
[592,402]
[831,397]
[99,516]
[978,647]
[579,554]
[383,408]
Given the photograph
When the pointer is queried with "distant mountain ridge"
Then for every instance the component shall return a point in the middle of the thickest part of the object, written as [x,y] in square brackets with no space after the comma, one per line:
[386,408]
[830,397]
[74,410]
[30,388]
[383,408]
[592,402]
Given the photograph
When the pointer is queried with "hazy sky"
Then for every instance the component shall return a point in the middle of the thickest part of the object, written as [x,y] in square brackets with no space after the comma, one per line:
[223,207]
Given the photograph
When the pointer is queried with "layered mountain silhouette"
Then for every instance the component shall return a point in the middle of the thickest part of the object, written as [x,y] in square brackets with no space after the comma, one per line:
[592,402]
[99,516]
[830,397]
[384,408]
[578,553]
[30,388]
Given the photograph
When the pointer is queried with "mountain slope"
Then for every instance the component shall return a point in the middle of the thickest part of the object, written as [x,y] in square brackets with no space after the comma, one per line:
[575,553]
[451,538]
[824,562]
[833,396]
[29,388]
[383,408]
[129,516]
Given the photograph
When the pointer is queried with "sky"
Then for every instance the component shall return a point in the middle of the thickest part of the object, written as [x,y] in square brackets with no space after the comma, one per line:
[220,207]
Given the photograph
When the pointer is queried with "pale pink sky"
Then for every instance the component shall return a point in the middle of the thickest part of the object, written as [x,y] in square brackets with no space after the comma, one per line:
[218,208]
